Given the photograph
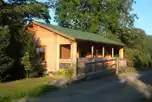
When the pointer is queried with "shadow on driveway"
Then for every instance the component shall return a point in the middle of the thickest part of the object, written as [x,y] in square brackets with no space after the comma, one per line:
[123,88]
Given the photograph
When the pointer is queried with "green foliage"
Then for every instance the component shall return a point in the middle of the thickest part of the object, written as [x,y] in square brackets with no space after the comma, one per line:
[26,88]
[29,54]
[66,72]
[95,15]
[31,61]
[27,63]
[110,35]
[137,51]
[150,48]
[16,48]
[5,61]
[21,10]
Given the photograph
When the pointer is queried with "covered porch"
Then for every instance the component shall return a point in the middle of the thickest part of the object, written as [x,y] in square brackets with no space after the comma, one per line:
[95,57]
[81,52]
[95,50]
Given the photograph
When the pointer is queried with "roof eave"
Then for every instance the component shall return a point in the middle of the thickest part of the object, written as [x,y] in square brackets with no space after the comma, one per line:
[54,30]
[101,42]
[70,37]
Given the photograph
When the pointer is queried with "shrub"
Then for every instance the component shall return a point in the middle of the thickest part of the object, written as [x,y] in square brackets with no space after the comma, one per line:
[66,72]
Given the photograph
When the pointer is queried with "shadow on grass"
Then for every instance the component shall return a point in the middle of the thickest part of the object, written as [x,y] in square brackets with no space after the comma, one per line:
[28,93]
[47,88]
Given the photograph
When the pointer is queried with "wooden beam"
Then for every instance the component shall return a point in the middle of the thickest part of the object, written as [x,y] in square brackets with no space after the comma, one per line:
[74,52]
[121,53]
[112,52]
[74,57]
[92,51]
[103,51]
[78,52]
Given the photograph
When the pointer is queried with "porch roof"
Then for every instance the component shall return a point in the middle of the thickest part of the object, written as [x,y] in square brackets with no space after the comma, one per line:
[80,35]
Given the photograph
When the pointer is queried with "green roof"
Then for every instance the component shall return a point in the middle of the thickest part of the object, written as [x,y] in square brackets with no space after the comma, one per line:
[80,35]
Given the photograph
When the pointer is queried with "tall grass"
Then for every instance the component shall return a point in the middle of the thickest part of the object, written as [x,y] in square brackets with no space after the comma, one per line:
[24,88]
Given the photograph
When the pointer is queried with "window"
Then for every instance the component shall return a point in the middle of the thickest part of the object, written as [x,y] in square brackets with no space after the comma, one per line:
[65,51]
[41,52]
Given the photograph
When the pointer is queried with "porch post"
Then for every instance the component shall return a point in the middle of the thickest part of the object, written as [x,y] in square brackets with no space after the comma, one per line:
[92,51]
[78,52]
[74,52]
[58,56]
[112,53]
[103,51]
[74,57]
[121,53]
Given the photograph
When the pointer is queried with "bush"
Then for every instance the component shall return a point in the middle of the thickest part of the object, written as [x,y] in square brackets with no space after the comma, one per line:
[136,58]
[38,70]
[66,72]
[137,51]
[32,63]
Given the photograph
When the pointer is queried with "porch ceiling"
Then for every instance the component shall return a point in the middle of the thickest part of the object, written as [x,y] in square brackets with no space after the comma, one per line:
[80,35]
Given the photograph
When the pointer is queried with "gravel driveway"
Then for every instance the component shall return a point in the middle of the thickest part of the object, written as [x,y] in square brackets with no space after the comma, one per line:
[109,89]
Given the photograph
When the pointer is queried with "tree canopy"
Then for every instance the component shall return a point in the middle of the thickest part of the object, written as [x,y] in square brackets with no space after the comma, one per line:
[19,11]
[137,48]
[95,15]
[14,17]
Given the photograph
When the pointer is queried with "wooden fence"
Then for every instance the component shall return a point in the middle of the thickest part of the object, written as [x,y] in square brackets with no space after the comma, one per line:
[90,66]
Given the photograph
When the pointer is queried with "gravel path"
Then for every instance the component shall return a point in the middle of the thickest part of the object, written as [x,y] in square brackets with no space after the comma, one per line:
[109,89]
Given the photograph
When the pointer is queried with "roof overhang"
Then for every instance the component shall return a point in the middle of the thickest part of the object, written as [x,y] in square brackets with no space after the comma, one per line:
[69,37]
[101,42]
[53,30]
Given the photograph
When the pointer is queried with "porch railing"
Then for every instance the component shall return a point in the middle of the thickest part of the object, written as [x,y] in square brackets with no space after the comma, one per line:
[87,66]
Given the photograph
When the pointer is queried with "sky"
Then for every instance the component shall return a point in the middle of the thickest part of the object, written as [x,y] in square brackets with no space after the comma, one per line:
[143,9]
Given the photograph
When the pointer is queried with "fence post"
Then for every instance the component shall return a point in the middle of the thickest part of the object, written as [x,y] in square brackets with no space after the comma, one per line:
[93,65]
[77,68]
[85,69]
[117,66]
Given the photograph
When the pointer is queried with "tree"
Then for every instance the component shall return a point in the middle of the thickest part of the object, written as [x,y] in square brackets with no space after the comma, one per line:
[15,16]
[137,50]
[150,49]
[5,61]
[95,15]
[20,11]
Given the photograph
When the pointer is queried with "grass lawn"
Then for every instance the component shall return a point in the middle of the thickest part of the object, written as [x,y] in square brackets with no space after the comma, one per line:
[24,88]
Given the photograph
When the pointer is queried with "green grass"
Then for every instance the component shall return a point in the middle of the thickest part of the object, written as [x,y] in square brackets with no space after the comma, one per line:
[24,88]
